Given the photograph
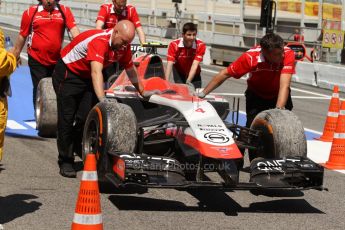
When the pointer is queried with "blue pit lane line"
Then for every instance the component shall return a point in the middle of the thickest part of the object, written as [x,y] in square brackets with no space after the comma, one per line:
[21,120]
[21,113]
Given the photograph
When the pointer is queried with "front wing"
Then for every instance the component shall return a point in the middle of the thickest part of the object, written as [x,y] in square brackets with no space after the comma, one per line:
[164,172]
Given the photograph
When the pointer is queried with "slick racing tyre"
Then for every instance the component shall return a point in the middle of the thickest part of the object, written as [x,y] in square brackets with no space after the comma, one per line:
[46,109]
[282,135]
[110,127]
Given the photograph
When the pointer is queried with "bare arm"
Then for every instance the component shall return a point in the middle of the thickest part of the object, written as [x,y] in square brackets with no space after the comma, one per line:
[284,88]
[192,71]
[99,24]
[133,77]
[18,46]
[97,79]
[141,34]
[216,81]
[74,32]
[168,70]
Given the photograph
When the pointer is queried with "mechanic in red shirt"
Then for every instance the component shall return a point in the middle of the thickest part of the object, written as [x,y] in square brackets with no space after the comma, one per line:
[110,14]
[270,67]
[184,57]
[78,83]
[44,26]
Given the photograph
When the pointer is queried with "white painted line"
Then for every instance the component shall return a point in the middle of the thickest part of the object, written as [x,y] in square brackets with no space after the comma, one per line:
[14,125]
[309,92]
[341,171]
[311,97]
[32,124]
[210,71]
[295,97]
[313,131]
[10,29]
[318,151]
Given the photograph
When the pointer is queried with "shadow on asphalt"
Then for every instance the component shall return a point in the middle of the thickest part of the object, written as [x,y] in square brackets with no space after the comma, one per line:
[21,136]
[17,205]
[277,193]
[212,201]
[1,168]
[108,188]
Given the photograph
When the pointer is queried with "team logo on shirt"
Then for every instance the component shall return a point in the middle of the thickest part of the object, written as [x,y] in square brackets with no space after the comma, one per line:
[99,56]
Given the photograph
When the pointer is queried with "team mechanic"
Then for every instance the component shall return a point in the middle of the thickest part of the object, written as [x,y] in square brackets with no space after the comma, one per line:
[270,66]
[78,83]
[110,14]
[44,26]
[7,66]
[184,57]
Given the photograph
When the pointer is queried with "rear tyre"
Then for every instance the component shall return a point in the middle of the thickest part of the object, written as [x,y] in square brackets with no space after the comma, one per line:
[112,78]
[282,135]
[46,109]
[109,127]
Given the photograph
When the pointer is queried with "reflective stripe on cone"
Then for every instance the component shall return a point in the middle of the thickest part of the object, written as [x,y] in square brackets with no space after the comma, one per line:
[89,176]
[87,219]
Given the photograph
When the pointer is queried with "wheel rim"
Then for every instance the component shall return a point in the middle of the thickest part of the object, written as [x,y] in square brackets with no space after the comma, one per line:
[91,144]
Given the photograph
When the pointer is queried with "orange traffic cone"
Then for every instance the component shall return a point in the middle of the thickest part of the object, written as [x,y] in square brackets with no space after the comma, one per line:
[337,157]
[332,117]
[87,214]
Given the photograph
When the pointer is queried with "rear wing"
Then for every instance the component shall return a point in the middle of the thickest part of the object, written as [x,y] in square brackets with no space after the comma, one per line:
[148,47]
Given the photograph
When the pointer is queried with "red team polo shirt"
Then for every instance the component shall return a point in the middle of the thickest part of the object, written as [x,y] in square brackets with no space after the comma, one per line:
[264,79]
[184,57]
[110,18]
[93,45]
[44,43]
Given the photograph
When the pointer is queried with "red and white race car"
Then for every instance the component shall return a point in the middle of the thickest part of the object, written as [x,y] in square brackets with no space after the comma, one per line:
[176,140]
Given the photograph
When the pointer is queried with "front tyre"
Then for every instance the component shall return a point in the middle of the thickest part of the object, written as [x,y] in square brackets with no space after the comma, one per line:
[110,127]
[282,135]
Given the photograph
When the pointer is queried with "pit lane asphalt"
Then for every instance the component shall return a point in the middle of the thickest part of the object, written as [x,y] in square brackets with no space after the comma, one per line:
[34,196]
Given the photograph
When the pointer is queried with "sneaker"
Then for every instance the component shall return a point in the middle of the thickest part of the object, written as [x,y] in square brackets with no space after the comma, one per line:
[67,170]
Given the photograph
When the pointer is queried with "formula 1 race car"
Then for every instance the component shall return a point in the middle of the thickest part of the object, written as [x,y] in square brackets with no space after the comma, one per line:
[176,140]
